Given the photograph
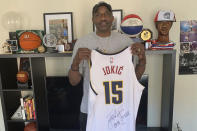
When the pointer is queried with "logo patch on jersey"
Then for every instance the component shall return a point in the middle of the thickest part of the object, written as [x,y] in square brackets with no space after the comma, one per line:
[111,60]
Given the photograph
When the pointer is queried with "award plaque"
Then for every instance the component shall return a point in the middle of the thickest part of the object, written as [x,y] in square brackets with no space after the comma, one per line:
[146,34]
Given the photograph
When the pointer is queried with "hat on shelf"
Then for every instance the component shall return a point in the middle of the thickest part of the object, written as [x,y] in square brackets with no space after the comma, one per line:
[165,15]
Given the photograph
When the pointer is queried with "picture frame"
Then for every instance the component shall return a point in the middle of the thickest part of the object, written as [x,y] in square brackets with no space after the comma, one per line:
[59,24]
[118,15]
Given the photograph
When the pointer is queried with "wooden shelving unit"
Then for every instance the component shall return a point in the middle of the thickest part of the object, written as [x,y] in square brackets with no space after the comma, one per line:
[10,94]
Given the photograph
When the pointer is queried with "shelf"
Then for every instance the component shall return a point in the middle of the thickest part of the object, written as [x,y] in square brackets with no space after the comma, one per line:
[36,55]
[138,129]
[15,126]
[20,120]
[16,90]
[159,52]
[150,129]
[148,52]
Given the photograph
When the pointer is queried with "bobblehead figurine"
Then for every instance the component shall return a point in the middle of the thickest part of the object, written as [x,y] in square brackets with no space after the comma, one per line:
[163,21]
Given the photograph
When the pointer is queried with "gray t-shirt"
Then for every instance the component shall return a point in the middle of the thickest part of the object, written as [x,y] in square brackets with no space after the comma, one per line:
[112,44]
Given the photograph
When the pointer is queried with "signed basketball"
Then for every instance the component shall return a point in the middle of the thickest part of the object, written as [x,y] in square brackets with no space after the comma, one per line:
[29,41]
[132,25]
[22,76]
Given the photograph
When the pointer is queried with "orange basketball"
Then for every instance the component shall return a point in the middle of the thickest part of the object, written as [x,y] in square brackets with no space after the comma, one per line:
[22,76]
[29,41]
[30,127]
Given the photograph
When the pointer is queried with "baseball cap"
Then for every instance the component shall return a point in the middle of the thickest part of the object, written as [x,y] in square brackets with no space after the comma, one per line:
[165,15]
[101,3]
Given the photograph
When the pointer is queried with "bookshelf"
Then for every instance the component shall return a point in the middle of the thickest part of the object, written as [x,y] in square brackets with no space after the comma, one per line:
[10,94]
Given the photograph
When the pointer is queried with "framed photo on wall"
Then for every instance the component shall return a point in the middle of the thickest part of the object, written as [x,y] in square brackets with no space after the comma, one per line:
[117,20]
[59,24]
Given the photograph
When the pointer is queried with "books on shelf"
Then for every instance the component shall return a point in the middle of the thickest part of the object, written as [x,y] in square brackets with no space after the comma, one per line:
[22,108]
[26,111]
[29,107]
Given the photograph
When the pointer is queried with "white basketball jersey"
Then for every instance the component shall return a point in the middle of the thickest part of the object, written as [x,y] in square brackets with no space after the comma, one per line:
[115,92]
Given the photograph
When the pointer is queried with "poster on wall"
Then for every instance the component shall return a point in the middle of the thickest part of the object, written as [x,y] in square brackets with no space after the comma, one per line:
[188,47]
[188,31]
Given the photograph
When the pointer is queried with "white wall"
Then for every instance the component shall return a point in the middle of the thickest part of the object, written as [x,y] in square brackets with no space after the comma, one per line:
[185,98]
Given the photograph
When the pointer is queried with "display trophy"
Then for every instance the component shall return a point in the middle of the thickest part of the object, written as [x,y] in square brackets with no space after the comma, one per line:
[146,36]
[132,25]
[50,41]
[65,41]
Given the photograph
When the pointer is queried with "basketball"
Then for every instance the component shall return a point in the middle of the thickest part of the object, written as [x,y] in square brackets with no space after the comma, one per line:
[29,41]
[22,76]
[30,127]
[132,25]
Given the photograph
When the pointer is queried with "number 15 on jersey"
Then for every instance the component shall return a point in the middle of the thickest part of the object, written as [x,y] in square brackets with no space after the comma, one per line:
[113,92]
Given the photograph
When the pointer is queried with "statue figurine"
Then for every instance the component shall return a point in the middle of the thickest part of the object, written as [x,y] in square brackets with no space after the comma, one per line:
[163,22]
[6,47]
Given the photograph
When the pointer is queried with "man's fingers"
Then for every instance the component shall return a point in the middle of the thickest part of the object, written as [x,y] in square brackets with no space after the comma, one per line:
[84,53]
[137,49]
[84,50]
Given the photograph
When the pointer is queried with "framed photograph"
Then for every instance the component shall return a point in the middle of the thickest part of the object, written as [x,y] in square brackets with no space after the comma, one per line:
[188,31]
[117,20]
[59,24]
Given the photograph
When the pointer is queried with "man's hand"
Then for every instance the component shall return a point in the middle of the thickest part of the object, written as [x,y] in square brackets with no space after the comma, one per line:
[138,49]
[74,75]
[82,54]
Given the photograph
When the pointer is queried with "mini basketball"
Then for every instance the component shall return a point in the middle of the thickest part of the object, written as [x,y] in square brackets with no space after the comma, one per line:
[22,76]
[29,41]
[132,25]
[30,127]
[41,49]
